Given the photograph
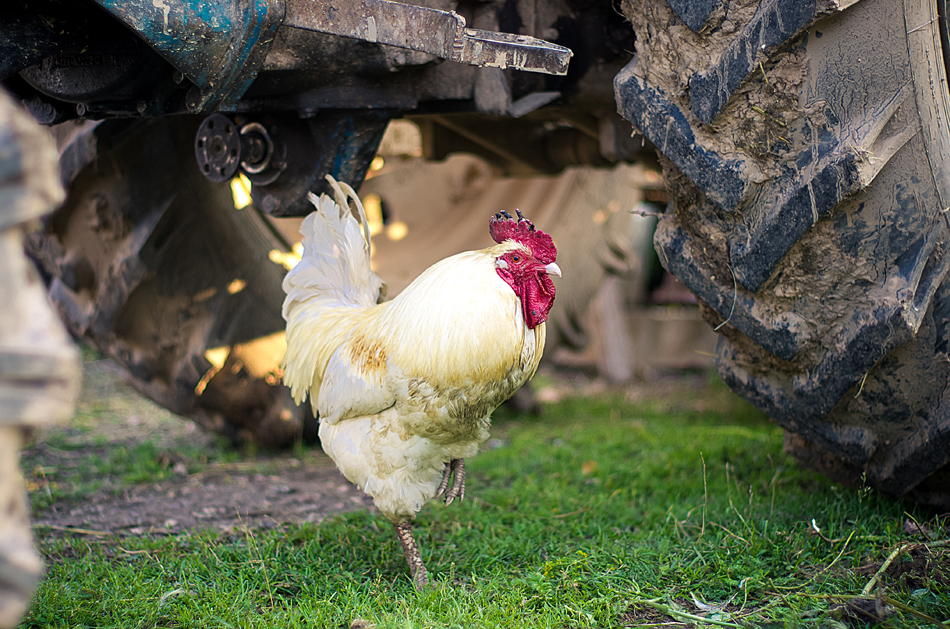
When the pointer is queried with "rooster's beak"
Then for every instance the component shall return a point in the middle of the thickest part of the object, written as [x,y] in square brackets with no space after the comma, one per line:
[553,269]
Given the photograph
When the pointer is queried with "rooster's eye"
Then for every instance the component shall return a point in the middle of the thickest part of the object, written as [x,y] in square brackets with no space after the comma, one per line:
[516,259]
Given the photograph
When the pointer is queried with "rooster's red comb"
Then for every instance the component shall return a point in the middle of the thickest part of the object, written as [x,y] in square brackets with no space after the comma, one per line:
[503,226]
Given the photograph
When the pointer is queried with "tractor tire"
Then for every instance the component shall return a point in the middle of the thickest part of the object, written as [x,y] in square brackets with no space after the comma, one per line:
[149,262]
[806,148]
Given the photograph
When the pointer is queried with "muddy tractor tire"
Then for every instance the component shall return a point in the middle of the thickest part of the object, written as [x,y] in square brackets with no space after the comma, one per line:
[806,148]
[150,262]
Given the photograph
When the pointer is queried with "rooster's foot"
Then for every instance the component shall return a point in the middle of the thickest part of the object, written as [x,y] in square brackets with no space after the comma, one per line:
[417,569]
[456,469]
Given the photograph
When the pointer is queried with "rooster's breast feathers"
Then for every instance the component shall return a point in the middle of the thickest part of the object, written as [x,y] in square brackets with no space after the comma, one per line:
[455,336]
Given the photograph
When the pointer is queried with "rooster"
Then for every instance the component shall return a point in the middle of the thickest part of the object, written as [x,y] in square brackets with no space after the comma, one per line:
[404,389]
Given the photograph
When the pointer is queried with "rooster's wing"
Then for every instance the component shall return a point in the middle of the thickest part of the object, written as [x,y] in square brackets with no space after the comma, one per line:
[355,383]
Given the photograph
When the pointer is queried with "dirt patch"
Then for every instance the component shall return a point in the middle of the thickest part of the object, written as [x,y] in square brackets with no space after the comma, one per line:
[649,617]
[917,566]
[666,614]
[222,498]
[122,465]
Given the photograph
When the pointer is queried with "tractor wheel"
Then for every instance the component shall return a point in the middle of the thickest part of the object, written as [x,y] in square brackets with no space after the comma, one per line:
[150,262]
[806,147]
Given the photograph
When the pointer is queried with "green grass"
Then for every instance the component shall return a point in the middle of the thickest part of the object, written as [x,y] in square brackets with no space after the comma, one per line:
[601,513]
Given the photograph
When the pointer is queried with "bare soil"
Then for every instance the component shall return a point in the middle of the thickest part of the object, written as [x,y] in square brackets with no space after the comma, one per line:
[260,491]
[223,498]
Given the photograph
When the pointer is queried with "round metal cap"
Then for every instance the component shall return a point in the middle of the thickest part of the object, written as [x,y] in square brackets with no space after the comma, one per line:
[218,148]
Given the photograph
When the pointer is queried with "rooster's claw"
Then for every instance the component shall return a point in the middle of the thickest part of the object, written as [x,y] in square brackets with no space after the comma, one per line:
[455,468]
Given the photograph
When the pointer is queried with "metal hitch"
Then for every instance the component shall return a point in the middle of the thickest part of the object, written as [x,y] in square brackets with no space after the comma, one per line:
[221,147]
[440,33]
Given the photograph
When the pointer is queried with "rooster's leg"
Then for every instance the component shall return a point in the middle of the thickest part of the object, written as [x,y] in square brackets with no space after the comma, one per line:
[456,469]
[416,568]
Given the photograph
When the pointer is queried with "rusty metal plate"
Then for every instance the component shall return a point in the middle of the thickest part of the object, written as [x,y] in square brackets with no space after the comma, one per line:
[440,33]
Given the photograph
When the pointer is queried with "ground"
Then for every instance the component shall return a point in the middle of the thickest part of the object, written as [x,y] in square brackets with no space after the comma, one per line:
[225,497]
[178,477]
[189,490]
[661,503]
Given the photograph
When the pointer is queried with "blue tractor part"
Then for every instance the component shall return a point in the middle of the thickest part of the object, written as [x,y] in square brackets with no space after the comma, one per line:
[218,46]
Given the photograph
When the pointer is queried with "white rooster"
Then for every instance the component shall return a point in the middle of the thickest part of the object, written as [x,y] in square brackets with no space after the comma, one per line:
[405,388]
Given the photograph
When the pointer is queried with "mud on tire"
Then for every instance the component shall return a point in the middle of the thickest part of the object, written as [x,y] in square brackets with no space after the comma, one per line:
[806,151]
[151,263]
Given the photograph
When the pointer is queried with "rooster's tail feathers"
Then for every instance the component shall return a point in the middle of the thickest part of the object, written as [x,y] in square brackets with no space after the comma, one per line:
[343,192]
[334,272]
[335,267]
